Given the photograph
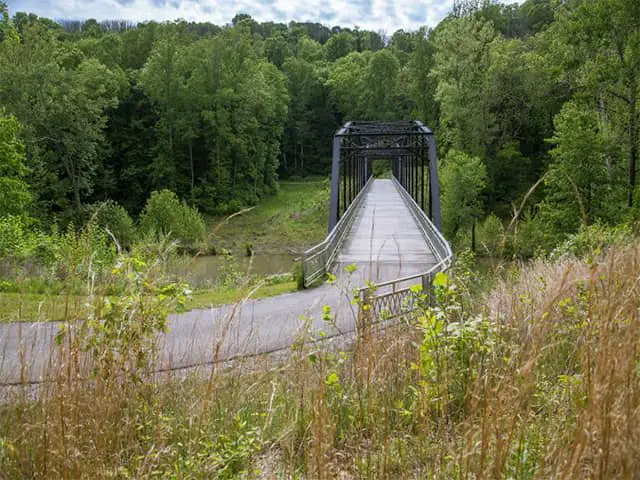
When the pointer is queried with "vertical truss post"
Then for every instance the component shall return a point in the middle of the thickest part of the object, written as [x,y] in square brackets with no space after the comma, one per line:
[422,173]
[366,170]
[433,183]
[351,177]
[414,180]
[347,179]
[410,175]
[334,205]
[344,184]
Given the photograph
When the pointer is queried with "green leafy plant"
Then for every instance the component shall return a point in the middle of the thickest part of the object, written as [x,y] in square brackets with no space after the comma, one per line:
[109,215]
[165,214]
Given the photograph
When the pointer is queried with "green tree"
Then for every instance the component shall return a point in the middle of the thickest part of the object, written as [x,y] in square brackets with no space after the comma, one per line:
[277,50]
[61,100]
[346,84]
[462,49]
[242,101]
[606,32]
[310,51]
[161,78]
[422,86]
[340,45]
[380,78]
[463,180]
[15,196]
[578,188]
[165,215]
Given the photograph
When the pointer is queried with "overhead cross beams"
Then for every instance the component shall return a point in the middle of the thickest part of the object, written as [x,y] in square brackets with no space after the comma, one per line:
[408,144]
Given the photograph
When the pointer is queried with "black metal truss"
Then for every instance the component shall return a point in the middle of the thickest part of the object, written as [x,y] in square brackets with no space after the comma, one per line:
[408,144]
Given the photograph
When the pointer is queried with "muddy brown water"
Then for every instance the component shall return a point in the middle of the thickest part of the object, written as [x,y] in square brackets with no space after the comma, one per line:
[209,271]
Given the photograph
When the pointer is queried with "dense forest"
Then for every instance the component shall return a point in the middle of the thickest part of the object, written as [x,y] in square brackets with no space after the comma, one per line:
[535,107]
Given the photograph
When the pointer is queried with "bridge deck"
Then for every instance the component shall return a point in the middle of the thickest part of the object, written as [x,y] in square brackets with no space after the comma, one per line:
[384,242]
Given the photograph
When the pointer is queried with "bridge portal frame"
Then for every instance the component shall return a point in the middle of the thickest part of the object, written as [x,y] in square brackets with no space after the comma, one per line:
[406,143]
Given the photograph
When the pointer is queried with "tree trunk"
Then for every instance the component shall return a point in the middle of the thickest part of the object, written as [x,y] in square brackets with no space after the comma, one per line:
[70,167]
[191,164]
[473,236]
[284,153]
[603,119]
[76,193]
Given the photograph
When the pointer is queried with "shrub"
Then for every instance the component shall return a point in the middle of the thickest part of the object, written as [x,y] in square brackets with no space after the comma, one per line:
[592,239]
[165,215]
[45,247]
[531,237]
[84,253]
[490,235]
[112,216]
[15,238]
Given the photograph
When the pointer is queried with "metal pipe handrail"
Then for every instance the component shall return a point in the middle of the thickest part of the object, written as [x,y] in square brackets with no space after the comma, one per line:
[317,260]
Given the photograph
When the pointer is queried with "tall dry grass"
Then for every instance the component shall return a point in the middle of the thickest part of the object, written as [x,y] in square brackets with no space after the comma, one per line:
[536,379]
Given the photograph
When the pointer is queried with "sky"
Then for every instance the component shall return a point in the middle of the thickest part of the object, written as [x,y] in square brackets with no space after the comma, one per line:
[385,15]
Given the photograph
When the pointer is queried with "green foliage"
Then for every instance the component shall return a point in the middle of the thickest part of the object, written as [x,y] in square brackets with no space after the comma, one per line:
[453,344]
[121,335]
[579,186]
[165,215]
[462,49]
[490,235]
[81,254]
[532,237]
[217,114]
[15,197]
[15,238]
[379,86]
[463,179]
[21,243]
[109,215]
[340,45]
[345,83]
[592,240]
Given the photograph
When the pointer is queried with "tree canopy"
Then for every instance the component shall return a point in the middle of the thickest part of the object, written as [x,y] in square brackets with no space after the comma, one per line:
[95,111]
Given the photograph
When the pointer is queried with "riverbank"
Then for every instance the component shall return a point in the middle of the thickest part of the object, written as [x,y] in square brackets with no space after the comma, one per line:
[292,220]
[258,246]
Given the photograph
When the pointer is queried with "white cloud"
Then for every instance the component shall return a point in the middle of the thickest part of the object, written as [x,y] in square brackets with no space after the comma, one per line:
[387,15]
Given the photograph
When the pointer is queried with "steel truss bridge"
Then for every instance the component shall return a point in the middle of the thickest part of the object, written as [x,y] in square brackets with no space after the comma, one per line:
[390,229]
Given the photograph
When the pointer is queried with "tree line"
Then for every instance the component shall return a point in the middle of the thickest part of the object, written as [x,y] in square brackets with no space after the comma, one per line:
[536,101]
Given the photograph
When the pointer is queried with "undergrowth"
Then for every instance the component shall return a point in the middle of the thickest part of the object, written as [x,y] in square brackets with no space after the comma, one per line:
[538,378]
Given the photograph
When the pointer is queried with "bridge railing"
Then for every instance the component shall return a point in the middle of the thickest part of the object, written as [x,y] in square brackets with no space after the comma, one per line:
[391,299]
[317,261]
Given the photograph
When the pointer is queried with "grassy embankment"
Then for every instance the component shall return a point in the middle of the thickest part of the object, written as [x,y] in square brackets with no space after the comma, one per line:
[538,378]
[290,221]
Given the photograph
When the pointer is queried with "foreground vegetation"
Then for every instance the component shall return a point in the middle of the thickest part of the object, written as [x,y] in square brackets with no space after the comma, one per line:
[536,378]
